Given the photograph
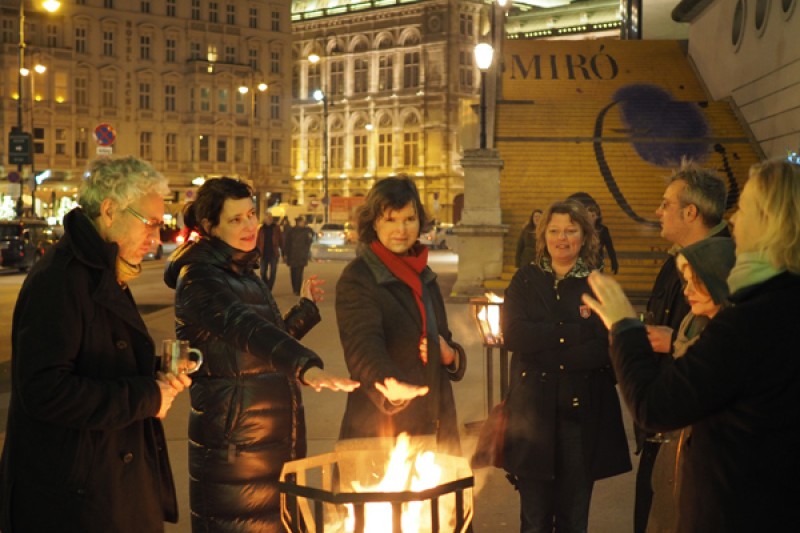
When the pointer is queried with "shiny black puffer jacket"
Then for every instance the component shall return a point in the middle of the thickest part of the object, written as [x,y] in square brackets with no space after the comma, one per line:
[247,412]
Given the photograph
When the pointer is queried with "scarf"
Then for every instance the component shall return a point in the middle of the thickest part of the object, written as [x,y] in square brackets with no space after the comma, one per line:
[407,269]
[126,271]
[751,268]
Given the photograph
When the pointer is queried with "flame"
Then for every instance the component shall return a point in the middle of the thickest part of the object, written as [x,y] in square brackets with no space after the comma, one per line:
[489,316]
[404,472]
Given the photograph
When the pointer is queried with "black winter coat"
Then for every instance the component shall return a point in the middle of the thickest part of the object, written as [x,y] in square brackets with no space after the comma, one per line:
[561,367]
[738,387]
[379,326]
[247,413]
[297,245]
[83,451]
[526,246]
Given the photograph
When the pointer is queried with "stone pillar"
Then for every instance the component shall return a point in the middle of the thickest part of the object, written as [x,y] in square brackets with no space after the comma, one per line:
[480,232]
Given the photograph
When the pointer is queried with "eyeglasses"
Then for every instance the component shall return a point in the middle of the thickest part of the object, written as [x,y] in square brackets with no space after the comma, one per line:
[149,223]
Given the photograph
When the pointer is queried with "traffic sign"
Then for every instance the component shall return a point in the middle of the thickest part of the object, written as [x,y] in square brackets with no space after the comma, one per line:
[105,135]
[20,148]
[13,177]
[105,151]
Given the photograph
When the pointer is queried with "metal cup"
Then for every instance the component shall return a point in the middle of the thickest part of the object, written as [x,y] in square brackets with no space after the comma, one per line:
[178,358]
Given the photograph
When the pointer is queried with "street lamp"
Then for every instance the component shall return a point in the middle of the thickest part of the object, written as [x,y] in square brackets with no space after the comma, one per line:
[483,57]
[25,155]
[488,313]
[320,96]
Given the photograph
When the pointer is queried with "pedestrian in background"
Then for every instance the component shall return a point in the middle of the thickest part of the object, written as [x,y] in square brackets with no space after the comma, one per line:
[564,428]
[604,237]
[247,415]
[526,244]
[738,385]
[85,449]
[393,326]
[297,251]
[269,243]
[691,210]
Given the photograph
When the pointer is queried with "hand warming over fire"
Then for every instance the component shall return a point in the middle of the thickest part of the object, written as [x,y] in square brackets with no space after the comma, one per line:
[318,379]
[398,391]
[611,304]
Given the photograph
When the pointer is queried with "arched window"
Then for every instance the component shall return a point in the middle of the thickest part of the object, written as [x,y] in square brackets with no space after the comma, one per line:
[411,138]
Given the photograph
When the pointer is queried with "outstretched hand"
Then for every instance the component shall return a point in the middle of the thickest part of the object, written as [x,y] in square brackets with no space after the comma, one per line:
[399,391]
[312,290]
[319,379]
[609,300]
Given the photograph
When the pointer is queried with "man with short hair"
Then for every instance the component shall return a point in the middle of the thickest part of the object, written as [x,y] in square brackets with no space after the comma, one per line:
[85,450]
[691,210]
[269,243]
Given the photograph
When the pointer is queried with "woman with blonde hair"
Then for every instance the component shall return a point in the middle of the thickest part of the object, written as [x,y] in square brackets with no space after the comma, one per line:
[738,385]
[565,421]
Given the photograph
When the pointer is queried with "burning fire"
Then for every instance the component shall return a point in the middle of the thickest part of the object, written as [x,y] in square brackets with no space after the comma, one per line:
[405,471]
[489,319]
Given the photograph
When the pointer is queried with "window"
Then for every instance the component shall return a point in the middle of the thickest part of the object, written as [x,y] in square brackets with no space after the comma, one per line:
[275,153]
[385,73]
[337,78]
[411,149]
[385,150]
[336,154]
[9,31]
[222,100]
[295,155]
[314,148]
[230,54]
[205,99]
[360,76]
[255,151]
[203,145]
[82,145]
[171,9]
[252,58]
[108,43]
[80,40]
[313,78]
[410,70]
[360,152]
[466,70]
[171,147]
[195,51]
[238,105]
[61,141]
[275,63]
[230,14]
[171,45]
[275,106]
[108,92]
[81,90]
[195,9]
[144,47]
[222,150]
[170,97]
[295,81]
[52,35]
[238,149]
[253,23]
[276,21]
[213,15]
[466,26]
[146,145]
[144,96]
[211,53]
[145,6]
[38,140]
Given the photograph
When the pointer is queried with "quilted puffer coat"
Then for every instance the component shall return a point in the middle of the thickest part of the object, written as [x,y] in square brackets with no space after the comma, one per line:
[247,412]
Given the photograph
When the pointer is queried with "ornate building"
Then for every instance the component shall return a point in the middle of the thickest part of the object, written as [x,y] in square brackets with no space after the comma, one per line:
[398,81]
[200,88]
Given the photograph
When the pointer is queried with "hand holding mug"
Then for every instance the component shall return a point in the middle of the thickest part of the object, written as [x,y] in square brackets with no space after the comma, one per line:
[178,358]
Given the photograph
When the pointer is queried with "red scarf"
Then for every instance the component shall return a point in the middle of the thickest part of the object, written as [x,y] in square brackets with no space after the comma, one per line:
[407,269]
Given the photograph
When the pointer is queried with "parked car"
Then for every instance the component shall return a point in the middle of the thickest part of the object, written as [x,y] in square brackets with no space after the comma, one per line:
[169,239]
[24,241]
[334,234]
[436,236]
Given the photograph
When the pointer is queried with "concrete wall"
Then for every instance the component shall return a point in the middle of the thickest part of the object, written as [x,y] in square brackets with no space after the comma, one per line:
[759,71]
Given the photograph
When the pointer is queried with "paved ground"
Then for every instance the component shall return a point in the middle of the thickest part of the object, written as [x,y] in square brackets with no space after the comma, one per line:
[496,503]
